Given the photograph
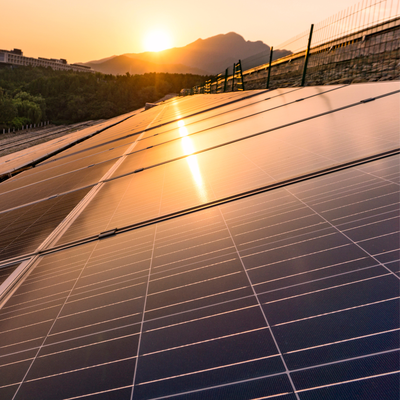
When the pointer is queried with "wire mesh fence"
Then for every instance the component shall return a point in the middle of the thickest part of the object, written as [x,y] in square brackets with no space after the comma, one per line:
[358,44]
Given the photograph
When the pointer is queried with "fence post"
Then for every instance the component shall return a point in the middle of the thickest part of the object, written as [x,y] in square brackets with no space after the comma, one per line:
[233,77]
[303,79]
[241,74]
[270,63]
[226,79]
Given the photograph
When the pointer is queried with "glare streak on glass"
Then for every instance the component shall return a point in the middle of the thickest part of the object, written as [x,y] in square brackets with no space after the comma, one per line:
[188,149]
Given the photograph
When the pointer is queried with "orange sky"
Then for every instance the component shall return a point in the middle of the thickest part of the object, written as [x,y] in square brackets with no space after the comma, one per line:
[84,30]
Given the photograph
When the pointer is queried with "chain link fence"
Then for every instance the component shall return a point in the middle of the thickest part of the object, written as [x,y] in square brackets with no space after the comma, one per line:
[358,44]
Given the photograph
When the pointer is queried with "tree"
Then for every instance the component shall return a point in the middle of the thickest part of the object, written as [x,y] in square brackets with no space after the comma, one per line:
[8,111]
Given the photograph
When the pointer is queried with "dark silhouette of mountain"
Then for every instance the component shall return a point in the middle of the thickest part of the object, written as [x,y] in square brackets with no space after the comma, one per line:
[120,65]
[101,60]
[204,56]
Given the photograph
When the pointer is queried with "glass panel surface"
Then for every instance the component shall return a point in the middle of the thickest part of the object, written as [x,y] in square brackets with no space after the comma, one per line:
[351,131]
[6,271]
[60,167]
[242,166]
[54,186]
[23,230]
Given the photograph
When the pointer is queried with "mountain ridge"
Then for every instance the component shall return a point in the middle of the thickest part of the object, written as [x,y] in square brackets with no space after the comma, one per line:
[203,56]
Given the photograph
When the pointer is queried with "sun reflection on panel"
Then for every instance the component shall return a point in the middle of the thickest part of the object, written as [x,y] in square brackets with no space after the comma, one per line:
[188,149]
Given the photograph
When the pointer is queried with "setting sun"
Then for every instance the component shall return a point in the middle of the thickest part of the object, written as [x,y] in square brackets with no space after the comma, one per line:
[157,41]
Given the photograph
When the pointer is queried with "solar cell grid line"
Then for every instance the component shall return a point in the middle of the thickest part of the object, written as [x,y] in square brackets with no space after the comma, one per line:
[143,310]
[366,230]
[266,320]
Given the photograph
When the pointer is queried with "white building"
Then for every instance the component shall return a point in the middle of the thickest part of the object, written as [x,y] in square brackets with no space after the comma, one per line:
[16,57]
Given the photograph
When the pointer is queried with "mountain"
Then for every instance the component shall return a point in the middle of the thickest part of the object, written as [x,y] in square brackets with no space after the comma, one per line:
[203,57]
[120,65]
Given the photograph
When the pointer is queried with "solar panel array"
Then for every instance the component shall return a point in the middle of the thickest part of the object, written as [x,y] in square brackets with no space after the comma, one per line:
[16,161]
[240,245]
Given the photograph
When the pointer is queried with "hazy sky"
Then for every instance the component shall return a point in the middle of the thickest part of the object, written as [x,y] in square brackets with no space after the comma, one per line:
[84,30]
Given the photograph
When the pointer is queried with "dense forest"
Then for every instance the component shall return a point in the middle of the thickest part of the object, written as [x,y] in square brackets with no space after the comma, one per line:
[30,95]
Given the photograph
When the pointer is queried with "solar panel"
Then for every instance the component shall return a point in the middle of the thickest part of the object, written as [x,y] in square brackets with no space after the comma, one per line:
[275,274]
[6,271]
[54,186]
[23,229]
[232,169]
[24,158]
[61,167]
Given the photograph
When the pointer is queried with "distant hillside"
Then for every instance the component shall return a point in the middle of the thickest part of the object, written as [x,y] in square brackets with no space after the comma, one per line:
[204,56]
[120,65]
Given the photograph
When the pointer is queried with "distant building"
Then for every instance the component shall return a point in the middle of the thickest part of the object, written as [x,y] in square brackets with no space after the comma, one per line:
[16,58]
